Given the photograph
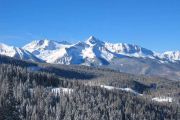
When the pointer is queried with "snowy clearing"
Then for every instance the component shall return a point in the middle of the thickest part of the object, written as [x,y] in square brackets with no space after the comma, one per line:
[62,90]
[123,89]
[163,99]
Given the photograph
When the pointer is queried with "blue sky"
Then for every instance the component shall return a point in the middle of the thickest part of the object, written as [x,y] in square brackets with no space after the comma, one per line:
[154,24]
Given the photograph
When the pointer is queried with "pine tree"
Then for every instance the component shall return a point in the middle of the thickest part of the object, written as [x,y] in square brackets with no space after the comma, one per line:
[10,111]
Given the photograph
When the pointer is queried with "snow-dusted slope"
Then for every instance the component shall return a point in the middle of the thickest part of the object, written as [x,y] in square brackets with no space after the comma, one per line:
[17,53]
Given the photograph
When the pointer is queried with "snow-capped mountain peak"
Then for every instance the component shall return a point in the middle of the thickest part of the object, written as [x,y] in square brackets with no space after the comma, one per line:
[41,44]
[93,41]
[18,53]
[7,50]
[47,50]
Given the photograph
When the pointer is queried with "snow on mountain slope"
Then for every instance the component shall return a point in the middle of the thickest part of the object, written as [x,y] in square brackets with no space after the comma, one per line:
[72,54]
[129,50]
[40,45]
[98,50]
[93,52]
[87,52]
[47,50]
[17,53]
[171,55]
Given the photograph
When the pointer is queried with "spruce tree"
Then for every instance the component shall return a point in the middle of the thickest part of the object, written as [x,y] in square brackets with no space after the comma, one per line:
[9,110]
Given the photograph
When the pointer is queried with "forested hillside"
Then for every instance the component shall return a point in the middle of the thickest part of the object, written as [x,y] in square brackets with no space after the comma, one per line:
[34,91]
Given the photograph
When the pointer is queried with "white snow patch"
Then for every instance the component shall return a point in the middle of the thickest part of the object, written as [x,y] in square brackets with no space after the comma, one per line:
[123,89]
[62,90]
[88,53]
[108,87]
[163,99]
[106,54]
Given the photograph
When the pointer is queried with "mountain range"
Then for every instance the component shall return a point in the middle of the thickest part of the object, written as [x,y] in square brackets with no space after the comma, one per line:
[94,52]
